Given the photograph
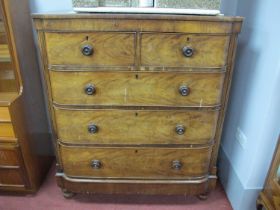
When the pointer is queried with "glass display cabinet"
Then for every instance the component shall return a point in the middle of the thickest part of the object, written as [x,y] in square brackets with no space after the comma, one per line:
[22,163]
[269,198]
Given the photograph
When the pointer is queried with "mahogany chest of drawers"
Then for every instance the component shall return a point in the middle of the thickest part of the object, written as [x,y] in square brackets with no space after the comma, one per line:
[137,101]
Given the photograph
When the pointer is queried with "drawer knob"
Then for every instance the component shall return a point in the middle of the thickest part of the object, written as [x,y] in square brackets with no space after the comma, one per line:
[90,89]
[180,129]
[176,165]
[87,50]
[96,164]
[184,90]
[92,129]
[188,51]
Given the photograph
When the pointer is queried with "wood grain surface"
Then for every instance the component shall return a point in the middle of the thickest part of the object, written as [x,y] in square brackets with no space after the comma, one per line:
[135,126]
[137,104]
[9,156]
[135,162]
[11,177]
[6,130]
[164,49]
[137,89]
[146,187]
[110,49]
[5,114]
[22,165]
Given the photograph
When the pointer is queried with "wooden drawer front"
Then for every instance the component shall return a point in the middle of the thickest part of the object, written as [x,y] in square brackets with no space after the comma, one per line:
[159,49]
[5,114]
[143,89]
[135,127]
[135,162]
[11,177]
[109,49]
[9,156]
[6,130]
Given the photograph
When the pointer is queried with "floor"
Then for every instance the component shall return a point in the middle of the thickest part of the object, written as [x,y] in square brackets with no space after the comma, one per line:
[50,197]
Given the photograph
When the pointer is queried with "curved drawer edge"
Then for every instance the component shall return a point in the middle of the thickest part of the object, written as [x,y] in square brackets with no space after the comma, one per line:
[193,180]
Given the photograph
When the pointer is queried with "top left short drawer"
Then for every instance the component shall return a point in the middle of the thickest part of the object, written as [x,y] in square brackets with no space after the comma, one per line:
[95,49]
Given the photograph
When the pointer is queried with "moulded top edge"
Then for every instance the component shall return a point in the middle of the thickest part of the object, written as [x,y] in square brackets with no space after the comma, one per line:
[74,15]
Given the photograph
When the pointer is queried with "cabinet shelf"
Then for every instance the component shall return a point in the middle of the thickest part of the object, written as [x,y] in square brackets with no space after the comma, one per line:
[4,53]
[7,97]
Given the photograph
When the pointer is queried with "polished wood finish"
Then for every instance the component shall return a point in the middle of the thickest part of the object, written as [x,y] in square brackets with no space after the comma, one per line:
[23,163]
[209,51]
[11,177]
[269,198]
[6,130]
[137,162]
[9,155]
[123,88]
[109,49]
[149,122]
[4,114]
[147,187]
[135,126]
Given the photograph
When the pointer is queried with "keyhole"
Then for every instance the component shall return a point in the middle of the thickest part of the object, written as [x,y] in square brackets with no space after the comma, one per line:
[87,38]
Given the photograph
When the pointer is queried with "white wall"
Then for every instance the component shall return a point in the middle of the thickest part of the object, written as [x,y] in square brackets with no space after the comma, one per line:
[38,6]
[254,104]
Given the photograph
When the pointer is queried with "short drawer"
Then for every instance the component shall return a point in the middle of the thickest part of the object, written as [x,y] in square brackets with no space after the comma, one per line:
[184,50]
[9,156]
[91,49]
[9,176]
[135,126]
[158,163]
[5,114]
[6,130]
[143,89]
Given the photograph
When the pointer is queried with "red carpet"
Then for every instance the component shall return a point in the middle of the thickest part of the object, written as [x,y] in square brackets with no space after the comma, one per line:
[50,197]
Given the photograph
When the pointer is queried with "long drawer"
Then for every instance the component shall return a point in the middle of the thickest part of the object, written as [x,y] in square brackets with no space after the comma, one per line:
[152,163]
[137,89]
[135,126]
[183,50]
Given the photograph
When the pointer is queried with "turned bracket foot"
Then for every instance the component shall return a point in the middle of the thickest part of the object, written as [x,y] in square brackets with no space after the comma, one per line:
[203,196]
[67,194]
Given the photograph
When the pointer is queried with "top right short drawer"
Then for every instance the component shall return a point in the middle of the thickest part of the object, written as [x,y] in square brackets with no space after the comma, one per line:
[184,50]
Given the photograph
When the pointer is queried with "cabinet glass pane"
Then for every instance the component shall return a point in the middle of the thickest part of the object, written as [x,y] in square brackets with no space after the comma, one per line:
[7,74]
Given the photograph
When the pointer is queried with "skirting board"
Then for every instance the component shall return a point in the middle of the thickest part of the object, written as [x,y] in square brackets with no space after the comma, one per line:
[240,197]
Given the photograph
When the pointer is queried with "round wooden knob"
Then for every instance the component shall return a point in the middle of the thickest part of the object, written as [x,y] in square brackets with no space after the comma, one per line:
[180,129]
[92,129]
[90,89]
[184,90]
[87,50]
[96,164]
[187,51]
[176,165]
